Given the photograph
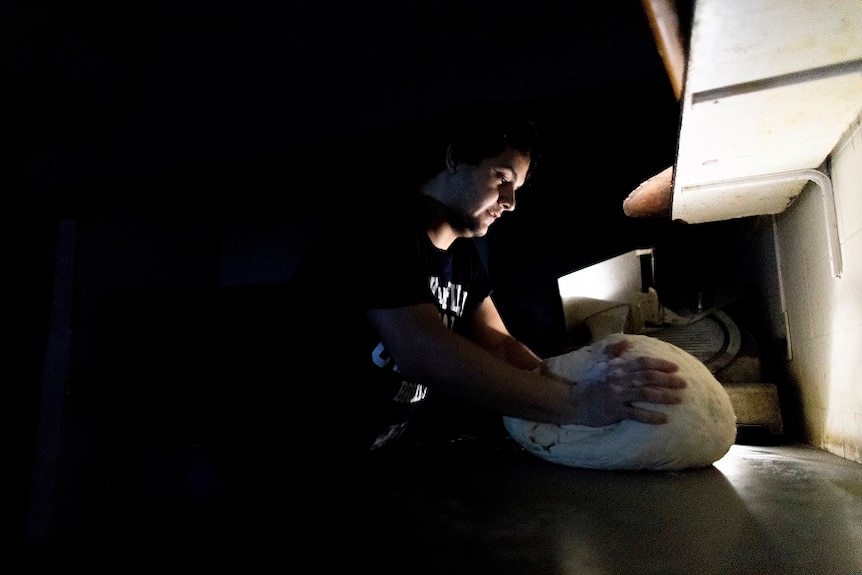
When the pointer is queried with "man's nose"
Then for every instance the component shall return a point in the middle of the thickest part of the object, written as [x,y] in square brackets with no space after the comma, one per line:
[507,200]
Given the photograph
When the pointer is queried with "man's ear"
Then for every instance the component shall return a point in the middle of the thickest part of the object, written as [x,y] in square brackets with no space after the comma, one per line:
[450,159]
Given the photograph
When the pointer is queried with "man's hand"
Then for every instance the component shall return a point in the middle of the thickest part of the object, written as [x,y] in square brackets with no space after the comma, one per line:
[627,381]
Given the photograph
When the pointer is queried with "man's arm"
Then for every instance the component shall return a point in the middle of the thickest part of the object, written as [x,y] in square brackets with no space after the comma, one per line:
[429,353]
[488,330]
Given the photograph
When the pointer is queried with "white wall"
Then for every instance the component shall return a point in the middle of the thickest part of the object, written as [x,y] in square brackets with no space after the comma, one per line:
[823,312]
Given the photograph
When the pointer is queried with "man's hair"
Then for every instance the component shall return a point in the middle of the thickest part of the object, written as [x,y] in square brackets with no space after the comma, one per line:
[483,129]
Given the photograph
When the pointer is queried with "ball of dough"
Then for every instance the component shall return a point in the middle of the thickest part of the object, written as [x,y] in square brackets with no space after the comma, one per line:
[699,431]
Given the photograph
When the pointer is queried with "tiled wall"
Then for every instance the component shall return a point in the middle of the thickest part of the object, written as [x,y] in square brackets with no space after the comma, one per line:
[823,312]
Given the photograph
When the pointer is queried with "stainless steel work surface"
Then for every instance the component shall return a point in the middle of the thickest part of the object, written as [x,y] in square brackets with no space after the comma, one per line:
[760,509]
[486,506]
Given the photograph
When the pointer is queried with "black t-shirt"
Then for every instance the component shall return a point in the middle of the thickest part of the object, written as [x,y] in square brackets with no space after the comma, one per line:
[382,259]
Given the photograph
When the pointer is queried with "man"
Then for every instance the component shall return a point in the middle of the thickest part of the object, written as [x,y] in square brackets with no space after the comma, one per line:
[398,304]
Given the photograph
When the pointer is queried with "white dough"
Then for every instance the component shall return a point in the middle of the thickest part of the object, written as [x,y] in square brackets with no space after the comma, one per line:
[699,431]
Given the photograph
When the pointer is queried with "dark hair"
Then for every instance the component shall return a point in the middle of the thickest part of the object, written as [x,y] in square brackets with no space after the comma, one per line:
[483,129]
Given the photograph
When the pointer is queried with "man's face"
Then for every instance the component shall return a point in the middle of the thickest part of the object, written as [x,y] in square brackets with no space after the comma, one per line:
[487,190]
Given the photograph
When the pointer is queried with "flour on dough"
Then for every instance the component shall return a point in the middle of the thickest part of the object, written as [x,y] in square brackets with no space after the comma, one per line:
[699,431]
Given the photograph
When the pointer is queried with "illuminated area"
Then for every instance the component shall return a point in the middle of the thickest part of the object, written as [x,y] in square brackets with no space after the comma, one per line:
[770,88]
[759,510]
[823,310]
[612,296]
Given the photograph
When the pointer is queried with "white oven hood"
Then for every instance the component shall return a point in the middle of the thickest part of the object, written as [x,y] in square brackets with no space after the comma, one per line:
[770,88]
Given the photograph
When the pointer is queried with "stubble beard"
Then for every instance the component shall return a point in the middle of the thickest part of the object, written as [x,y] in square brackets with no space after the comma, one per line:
[466,225]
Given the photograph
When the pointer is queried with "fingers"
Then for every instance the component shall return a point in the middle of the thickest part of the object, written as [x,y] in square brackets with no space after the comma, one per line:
[616,349]
[648,394]
[646,416]
[637,375]
[654,364]
[643,370]
[627,388]
[656,379]
[657,395]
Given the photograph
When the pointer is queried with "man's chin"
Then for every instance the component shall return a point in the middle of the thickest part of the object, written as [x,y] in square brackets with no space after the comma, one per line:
[474,229]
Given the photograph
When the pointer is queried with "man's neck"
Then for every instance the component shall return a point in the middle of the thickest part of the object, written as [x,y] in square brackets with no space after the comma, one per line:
[435,218]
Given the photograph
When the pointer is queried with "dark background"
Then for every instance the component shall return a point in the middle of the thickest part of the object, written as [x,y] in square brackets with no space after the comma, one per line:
[167,162]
